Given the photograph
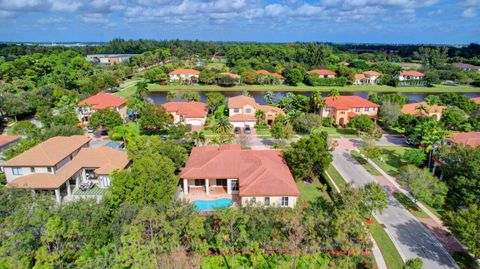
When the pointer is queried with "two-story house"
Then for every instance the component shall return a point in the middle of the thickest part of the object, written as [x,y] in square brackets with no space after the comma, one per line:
[257,177]
[367,77]
[323,73]
[342,108]
[101,101]
[242,110]
[189,113]
[280,78]
[61,164]
[186,76]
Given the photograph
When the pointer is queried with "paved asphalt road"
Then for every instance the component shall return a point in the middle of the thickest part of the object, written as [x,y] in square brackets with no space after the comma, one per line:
[411,238]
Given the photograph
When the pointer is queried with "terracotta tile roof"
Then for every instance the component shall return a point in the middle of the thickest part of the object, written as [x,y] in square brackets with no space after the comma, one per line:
[476,100]
[266,72]
[49,152]
[242,117]
[7,139]
[411,73]
[260,172]
[348,102]
[414,109]
[187,109]
[372,73]
[103,100]
[104,160]
[273,109]
[182,71]
[322,72]
[240,101]
[228,74]
[471,138]
[359,76]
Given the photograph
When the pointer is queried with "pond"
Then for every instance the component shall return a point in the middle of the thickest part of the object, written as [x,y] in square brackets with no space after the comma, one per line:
[161,97]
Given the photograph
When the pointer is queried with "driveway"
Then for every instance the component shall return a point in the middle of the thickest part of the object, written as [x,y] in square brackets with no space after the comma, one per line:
[410,237]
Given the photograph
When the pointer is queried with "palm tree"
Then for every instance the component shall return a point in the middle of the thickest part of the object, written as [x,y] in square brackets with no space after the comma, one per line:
[222,125]
[171,95]
[422,109]
[269,96]
[334,93]
[142,89]
[198,137]
[260,115]
[315,100]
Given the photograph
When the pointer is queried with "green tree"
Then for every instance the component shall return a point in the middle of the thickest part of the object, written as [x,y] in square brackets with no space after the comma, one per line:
[221,125]
[334,93]
[362,123]
[394,98]
[106,118]
[154,117]
[414,156]
[453,117]
[416,263]
[214,100]
[282,129]
[198,137]
[465,225]
[294,76]
[422,185]
[24,128]
[260,116]
[141,90]
[389,113]
[207,76]
[375,199]
[309,157]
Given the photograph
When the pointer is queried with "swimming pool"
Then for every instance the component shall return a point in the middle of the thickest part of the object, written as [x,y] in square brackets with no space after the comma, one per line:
[204,205]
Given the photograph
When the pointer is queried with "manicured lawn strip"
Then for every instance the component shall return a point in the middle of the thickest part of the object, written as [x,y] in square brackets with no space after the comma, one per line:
[332,131]
[263,131]
[436,211]
[339,180]
[389,252]
[311,191]
[127,91]
[410,205]
[391,159]
[302,88]
[365,164]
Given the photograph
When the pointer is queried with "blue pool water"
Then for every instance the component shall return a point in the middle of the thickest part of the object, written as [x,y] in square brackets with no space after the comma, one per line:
[204,205]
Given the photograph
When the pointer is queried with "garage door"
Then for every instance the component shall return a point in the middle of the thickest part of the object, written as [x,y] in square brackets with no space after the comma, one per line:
[194,122]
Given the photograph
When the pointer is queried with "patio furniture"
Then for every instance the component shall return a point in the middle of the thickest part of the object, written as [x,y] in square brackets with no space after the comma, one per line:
[86,186]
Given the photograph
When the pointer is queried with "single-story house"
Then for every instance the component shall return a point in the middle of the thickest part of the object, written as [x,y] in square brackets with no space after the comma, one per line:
[367,77]
[467,139]
[182,75]
[189,113]
[410,75]
[256,177]
[61,164]
[323,73]
[101,101]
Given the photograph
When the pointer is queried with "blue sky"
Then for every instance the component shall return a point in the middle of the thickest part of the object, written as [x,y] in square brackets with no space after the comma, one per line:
[370,21]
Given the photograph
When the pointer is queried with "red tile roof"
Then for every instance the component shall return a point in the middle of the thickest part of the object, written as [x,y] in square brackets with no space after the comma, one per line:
[322,72]
[102,101]
[228,74]
[372,73]
[182,71]
[412,73]
[476,100]
[359,76]
[348,102]
[260,172]
[7,139]
[266,72]
[240,101]
[187,109]
[415,109]
[471,139]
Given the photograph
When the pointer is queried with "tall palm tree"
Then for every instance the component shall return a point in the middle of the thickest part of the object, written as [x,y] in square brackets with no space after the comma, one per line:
[260,115]
[222,125]
[142,89]
[171,95]
[334,93]
[198,137]
[315,100]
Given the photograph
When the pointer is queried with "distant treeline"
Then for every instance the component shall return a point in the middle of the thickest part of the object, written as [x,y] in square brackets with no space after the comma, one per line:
[183,48]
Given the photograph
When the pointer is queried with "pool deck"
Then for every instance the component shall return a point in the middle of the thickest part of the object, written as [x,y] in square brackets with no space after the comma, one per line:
[215,193]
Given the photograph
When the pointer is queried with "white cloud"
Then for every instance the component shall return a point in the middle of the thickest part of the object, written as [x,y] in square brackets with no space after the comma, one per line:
[469,12]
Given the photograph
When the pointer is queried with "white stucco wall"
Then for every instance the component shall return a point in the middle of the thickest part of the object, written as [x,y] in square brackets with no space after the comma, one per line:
[274,200]
[24,172]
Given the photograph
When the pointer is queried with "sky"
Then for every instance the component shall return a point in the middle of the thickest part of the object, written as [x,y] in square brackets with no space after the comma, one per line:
[339,21]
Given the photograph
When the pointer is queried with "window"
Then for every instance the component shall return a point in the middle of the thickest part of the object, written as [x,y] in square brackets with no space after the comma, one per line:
[49,169]
[17,171]
[253,200]
[284,201]
[374,109]
[327,109]
[357,109]
[236,110]
[221,182]
[366,109]
[234,185]
[266,201]
[199,182]
[32,169]
[248,110]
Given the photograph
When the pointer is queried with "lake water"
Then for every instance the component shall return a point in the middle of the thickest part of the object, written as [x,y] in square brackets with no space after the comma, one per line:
[161,97]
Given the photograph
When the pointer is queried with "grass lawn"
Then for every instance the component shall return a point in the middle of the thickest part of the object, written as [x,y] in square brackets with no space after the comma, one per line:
[365,164]
[332,131]
[386,246]
[339,180]
[410,205]
[263,131]
[436,211]
[390,159]
[311,191]
[303,88]
[127,91]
